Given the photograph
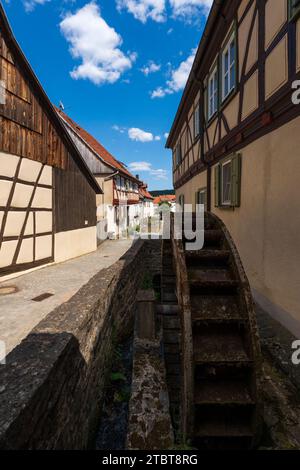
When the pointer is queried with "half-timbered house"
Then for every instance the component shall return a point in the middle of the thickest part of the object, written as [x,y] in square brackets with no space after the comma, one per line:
[119,206]
[47,193]
[236,140]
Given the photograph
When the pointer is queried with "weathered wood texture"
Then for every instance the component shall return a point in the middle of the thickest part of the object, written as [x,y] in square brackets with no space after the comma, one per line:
[75,200]
[183,295]
[26,129]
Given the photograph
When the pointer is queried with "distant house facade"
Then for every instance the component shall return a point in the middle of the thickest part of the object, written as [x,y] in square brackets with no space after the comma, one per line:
[47,193]
[147,204]
[167,199]
[119,207]
[235,142]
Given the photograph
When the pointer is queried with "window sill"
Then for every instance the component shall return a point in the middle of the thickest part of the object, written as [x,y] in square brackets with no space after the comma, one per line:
[226,207]
[210,120]
[228,98]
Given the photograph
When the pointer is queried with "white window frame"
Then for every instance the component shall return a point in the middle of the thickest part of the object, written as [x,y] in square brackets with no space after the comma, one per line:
[231,64]
[212,93]
[227,202]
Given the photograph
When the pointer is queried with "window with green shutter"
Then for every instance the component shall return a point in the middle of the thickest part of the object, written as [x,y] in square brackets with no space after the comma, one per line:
[228,182]
[200,198]
[294,8]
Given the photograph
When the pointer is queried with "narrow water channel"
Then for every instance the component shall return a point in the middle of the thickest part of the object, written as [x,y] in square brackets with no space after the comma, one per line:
[113,424]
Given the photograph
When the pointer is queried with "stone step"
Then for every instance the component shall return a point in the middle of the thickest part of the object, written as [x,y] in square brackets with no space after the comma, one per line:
[214,428]
[206,256]
[227,392]
[215,308]
[213,286]
[212,238]
[172,358]
[171,336]
[169,297]
[219,345]
[171,322]
[205,274]
[171,348]
[167,309]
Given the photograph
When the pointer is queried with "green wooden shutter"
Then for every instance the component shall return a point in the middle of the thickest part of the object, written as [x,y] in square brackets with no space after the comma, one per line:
[236,181]
[205,200]
[196,200]
[217,185]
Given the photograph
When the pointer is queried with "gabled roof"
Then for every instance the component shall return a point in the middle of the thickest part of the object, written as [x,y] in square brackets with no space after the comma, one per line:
[44,100]
[165,198]
[144,192]
[96,146]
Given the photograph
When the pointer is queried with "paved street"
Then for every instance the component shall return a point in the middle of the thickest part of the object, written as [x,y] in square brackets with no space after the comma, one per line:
[19,313]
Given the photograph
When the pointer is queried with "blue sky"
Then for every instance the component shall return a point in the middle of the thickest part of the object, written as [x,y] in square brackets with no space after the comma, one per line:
[118,66]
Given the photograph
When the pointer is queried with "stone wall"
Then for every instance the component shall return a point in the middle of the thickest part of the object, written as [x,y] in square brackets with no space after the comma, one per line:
[51,388]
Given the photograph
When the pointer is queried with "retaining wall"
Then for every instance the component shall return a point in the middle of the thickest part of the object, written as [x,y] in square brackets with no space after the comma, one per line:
[52,387]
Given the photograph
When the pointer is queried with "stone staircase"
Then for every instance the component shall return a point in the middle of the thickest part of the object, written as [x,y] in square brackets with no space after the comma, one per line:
[225,362]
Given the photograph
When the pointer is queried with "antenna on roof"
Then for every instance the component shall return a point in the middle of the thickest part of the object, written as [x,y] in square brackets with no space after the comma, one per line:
[61,106]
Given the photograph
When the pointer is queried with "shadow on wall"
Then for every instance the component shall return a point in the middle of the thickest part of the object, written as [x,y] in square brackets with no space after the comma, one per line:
[52,386]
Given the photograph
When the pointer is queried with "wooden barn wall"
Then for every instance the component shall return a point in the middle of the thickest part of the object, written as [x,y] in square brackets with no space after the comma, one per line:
[25,128]
[75,200]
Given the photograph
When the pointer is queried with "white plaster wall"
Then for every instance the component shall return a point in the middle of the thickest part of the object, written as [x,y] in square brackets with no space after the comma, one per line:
[74,243]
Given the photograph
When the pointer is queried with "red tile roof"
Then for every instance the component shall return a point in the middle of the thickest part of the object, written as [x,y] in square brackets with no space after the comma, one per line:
[165,198]
[95,145]
[144,192]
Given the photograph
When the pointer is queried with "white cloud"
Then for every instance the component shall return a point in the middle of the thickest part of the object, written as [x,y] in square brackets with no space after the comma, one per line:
[134,133]
[157,173]
[119,129]
[178,79]
[97,45]
[188,9]
[151,67]
[140,166]
[31,4]
[166,135]
[144,9]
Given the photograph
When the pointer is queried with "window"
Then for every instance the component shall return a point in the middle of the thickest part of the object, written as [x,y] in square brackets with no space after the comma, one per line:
[294,8]
[228,182]
[197,122]
[201,198]
[178,154]
[181,201]
[228,68]
[212,94]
